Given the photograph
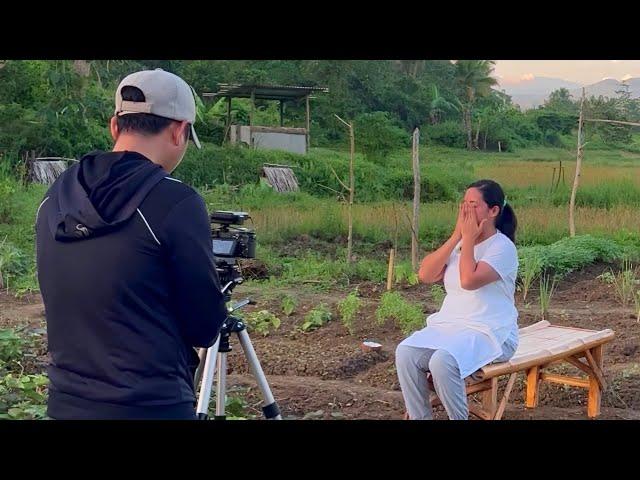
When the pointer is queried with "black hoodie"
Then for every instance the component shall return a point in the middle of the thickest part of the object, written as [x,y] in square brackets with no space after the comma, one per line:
[127,275]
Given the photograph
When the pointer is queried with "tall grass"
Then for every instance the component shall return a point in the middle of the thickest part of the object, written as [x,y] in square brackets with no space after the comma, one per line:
[523,174]
[285,217]
[624,283]
[547,289]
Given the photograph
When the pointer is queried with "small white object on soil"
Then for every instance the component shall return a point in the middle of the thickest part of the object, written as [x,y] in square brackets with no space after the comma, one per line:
[369,346]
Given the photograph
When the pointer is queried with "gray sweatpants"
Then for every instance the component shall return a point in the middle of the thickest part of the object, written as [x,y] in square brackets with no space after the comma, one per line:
[413,363]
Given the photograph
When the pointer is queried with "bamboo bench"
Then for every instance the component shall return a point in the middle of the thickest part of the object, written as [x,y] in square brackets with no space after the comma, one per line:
[540,346]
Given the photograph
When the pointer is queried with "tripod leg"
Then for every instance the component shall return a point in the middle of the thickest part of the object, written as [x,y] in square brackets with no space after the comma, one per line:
[202,355]
[221,386]
[270,408]
[207,380]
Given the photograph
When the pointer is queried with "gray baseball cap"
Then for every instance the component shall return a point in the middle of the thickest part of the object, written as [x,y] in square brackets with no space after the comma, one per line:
[166,95]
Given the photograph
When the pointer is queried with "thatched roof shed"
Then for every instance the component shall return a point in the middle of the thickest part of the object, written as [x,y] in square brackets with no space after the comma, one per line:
[280,177]
[46,169]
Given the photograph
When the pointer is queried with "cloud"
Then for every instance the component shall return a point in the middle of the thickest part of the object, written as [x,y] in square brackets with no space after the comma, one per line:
[527,76]
[628,76]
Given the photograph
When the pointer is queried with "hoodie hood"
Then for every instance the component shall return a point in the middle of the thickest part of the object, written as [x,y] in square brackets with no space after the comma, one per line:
[100,193]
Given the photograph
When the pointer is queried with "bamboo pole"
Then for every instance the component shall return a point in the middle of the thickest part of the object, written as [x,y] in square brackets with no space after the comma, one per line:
[576,180]
[351,193]
[390,269]
[416,198]
[351,188]
[308,124]
[619,122]
[564,380]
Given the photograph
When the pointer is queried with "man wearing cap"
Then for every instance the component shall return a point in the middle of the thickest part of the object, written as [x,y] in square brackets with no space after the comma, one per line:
[125,265]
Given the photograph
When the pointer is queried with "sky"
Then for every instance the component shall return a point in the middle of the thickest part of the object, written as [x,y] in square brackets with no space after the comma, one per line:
[584,72]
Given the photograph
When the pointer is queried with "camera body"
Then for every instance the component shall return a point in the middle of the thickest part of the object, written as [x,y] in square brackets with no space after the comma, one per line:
[229,240]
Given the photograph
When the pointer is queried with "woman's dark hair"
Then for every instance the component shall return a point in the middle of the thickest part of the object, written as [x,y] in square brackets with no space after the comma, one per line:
[493,195]
[144,123]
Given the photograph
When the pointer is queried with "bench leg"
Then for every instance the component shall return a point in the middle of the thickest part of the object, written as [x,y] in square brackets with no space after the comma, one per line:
[490,398]
[505,397]
[595,392]
[533,383]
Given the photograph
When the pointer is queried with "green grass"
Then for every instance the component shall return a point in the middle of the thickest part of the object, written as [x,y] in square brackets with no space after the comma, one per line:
[302,236]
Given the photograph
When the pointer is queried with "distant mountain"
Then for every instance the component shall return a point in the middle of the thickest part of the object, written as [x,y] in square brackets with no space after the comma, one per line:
[608,87]
[532,93]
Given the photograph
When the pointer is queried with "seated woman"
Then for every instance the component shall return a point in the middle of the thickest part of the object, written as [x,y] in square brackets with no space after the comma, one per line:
[477,323]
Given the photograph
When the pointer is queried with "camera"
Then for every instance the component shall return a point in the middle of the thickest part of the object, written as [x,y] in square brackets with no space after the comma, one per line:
[229,239]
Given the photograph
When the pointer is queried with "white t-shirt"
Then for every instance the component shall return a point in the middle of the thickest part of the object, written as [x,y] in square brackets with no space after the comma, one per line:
[472,325]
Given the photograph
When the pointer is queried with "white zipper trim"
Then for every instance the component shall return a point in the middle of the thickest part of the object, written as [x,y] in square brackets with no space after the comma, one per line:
[147,224]
[38,211]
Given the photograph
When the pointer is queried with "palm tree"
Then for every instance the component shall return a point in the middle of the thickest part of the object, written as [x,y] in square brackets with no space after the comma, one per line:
[474,80]
[440,105]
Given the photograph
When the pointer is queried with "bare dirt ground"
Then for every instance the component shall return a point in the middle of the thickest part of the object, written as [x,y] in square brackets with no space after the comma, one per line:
[323,374]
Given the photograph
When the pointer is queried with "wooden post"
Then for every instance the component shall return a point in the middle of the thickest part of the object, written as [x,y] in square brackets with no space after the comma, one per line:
[595,392]
[416,198]
[395,232]
[499,146]
[533,375]
[281,113]
[351,189]
[251,116]
[308,124]
[390,269]
[351,192]
[253,107]
[228,129]
[576,179]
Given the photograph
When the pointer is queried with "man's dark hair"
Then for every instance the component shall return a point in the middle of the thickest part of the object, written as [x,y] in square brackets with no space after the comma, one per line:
[144,123]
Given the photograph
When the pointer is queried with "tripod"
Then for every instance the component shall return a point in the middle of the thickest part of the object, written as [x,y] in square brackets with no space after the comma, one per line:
[217,353]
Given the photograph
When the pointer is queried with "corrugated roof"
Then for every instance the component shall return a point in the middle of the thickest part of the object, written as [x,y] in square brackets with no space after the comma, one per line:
[263,92]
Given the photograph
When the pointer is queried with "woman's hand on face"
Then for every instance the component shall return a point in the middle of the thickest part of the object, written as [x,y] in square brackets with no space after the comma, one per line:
[471,229]
[457,232]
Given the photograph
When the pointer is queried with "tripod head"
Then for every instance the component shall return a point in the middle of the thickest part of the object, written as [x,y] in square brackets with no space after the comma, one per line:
[229,274]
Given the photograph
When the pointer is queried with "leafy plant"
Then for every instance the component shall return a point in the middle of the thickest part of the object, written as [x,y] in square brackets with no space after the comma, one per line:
[348,309]
[235,405]
[316,318]
[23,397]
[437,293]
[404,273]
[262,321]
[607,277]
[12,262]
[408,316]
[11,345]
[289,305]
